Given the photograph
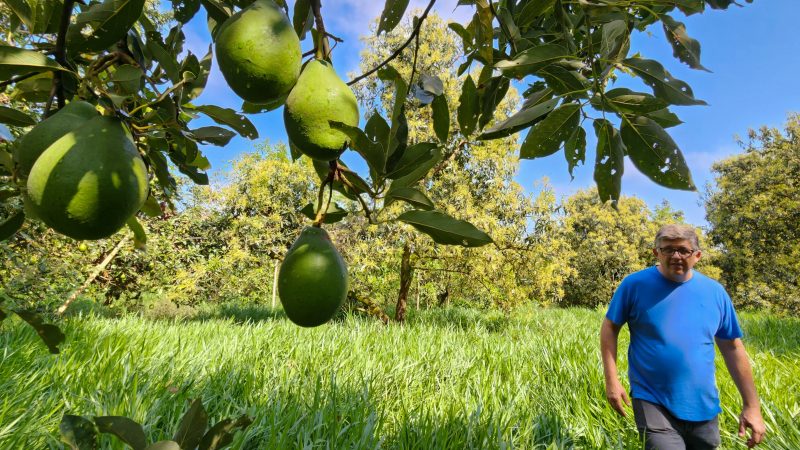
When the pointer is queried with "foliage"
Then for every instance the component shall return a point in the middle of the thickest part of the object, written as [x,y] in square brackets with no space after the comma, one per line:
[753,211]
[449,379]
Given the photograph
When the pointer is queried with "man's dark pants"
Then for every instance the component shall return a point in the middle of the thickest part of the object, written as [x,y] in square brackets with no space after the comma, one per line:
[663,431]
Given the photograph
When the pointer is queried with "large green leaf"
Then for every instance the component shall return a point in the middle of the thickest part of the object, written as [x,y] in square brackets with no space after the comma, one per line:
[532,10]
[377,129]
[302,18]
[491,94]
[441,118]
[393,11]
[550,134]
[615,42]
[167,61]
[201,70]
[124,428]
[220,434]
[184,10]
[78,432]
[51,335]
[19,61]
[128,79]
[213,135]
[419,171]
[564,81]
[532,60]
[412,196]
[665,118]
[229,117]
[686,49]
[413,157]
[192,427]
[522,119]
[468,107]
[139,234]
[444,229]
[13,117]
[664,86]
[217,10]
[373,152]
[609,161]
[626,101]
[10,226]
[654,153]
[333,214]
[103,24]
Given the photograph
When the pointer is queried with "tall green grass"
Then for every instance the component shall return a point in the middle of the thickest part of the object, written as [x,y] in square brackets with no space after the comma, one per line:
[454,379]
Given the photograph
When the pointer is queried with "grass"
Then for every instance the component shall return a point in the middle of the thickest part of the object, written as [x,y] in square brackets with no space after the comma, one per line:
[454,379]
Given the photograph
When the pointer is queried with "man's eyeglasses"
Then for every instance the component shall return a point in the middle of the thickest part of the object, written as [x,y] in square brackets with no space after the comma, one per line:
[683,252]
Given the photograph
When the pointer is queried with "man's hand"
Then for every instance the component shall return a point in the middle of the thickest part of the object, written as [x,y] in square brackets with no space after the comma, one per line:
[616,396]
[751,418]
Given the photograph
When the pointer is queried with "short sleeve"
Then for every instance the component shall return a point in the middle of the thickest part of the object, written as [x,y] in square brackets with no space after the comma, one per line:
[728,324]
[620,307]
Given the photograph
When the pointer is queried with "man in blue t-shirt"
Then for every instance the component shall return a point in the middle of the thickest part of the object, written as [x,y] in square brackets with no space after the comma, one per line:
[675,315]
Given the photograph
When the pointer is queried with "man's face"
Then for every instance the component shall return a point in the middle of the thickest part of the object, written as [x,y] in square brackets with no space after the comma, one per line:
[677,257]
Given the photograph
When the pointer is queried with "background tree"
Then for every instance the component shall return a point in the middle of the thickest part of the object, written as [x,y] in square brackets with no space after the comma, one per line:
[753,210]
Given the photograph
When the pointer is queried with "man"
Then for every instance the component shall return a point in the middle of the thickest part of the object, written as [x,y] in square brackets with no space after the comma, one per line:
[674,315]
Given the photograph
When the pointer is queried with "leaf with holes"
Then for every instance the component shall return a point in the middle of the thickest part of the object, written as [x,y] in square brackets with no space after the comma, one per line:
[102,25]
[609,161]
[655,154]
[393,11]
[664,86]
[626,101]
[184,10]
[686,49]
[550,134]
[575,149]
[444,229]
[665,118]
[229,117]
[213,135]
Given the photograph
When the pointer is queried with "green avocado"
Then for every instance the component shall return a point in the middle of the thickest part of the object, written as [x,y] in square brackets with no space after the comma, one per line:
[319,97]
[45,133]
[312,282]
[258,53]
[89,182]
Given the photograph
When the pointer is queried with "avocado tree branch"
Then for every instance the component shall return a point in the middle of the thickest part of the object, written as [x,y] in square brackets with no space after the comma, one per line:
[399,50]
[323,46]
[61,56]
[17,79]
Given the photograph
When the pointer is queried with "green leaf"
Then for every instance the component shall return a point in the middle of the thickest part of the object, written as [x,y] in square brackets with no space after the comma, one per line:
[51,335]
[10,226]
[441,118]
[468,107]
[77,432]
[532,10]
[124,428]
[18,61]
[522,119]
[164,445]
[151,207]
[373,152]
[220,434]
[626,101]
[564,81]
[22,10]
[665,118]
[393,11]
[229,117]
[128,79]
[686,49]
[444,229]
[615,42]
[102,25]
[217,10]
[575,149]
[412,196]
[13,117]
[418,172]
[359,185]
[192,427]
[655,154]
[139,235]
[413,157]
[491,94]
[164,57]
[35,89]
[532,60]
[550,134]
[201,70]
[333,214]
[377,129]
[184,10]
[213,135]
[664,86]
[609,161]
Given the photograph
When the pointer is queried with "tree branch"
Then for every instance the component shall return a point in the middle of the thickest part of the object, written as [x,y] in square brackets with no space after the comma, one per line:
[61,55]
[17,79]
[323,46]
[399,50]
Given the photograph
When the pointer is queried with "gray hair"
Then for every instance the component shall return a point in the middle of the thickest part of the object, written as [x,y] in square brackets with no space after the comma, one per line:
[674,232]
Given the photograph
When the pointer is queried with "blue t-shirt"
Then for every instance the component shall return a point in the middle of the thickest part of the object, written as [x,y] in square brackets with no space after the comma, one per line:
[672,327]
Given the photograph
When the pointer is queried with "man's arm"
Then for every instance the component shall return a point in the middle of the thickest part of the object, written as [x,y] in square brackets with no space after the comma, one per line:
[615,393]
[738,364]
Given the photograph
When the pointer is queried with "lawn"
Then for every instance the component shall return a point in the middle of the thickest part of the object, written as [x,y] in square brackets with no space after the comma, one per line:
[450,379]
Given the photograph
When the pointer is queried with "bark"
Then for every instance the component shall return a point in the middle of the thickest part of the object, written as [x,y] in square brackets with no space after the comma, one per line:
[406,276]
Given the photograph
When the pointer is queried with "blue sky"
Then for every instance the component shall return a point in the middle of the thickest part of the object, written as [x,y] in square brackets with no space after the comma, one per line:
[752,52]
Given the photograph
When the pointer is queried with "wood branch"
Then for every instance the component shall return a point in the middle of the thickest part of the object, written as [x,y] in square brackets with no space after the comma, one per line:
[97,270]
[323,46]
[17,79]
[399,50]
[61,53]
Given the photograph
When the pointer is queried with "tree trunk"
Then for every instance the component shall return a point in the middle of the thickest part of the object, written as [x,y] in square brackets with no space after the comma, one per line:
[406,275]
